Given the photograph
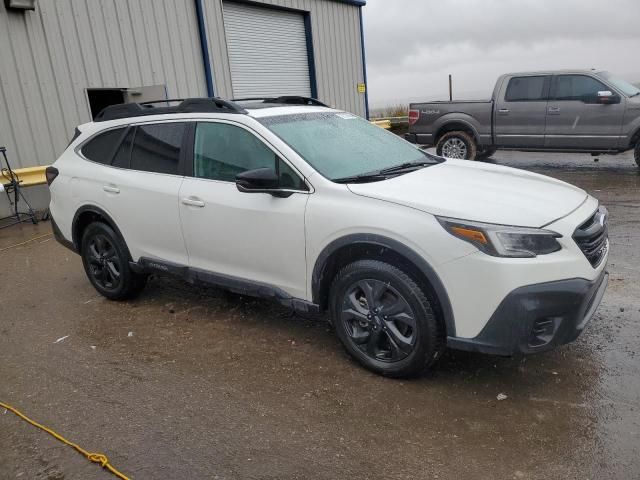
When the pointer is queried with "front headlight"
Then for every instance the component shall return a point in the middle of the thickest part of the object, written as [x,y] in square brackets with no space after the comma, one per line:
[503,240]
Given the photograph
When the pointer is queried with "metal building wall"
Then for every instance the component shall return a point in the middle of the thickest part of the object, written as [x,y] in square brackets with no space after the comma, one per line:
[337,49]
[48,57]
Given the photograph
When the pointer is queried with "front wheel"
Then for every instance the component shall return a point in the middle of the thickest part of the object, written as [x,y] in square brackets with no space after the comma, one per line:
[636,153]
[384,319]
[457,144]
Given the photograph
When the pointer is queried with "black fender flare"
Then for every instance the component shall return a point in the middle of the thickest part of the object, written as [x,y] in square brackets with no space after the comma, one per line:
[381,241]
[98,211]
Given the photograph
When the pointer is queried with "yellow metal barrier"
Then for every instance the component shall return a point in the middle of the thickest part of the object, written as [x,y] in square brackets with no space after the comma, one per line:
[386,124]
[27,177]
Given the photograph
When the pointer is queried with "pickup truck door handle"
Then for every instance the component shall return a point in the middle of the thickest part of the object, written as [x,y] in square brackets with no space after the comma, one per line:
[553,110]
[503,111]
[192,202]
[111,189]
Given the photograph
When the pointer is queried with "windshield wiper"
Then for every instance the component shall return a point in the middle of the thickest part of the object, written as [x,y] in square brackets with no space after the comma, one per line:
[364,178]
[637,93]
[407,166]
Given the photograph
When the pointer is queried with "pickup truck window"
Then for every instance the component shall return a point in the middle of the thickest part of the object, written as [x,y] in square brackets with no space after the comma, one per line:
[577,87]
[626,88]
[526,89]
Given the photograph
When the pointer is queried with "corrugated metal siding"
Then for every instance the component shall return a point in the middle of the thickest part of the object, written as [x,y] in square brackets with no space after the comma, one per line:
[336,42]
[267,51]
[48,58]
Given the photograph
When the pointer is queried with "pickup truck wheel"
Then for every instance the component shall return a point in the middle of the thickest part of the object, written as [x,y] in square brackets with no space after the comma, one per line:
[636,152]
[457,144]
[384,319]
[106,262]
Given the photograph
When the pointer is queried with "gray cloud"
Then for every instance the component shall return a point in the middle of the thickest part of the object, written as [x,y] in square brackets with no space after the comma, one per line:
[412,45]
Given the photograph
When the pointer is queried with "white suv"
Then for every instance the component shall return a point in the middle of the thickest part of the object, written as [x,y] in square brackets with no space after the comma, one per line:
[320,210]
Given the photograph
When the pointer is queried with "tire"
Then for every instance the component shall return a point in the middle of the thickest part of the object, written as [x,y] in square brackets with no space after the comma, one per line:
[106,257]
[636,153]
[486,153]
[457,144]
[403,343]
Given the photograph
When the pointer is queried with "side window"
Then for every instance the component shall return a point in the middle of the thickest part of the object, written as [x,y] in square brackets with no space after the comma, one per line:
[222,151]
[289,179]
[156,147]
[577,87]
[101,148]
[526,89]
[122,158]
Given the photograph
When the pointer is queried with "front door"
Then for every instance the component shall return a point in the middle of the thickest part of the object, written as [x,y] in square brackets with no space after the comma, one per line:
[248,236]
[575,119]
[520,115]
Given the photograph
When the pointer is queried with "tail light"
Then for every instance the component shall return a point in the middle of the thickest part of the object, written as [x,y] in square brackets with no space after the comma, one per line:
[51,173]
[414,115]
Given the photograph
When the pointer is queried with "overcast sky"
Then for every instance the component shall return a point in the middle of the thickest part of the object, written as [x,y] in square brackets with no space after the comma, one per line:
[412,45]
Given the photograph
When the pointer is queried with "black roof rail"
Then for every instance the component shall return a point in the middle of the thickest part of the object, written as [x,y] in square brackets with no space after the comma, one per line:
[186,105]
[285,99]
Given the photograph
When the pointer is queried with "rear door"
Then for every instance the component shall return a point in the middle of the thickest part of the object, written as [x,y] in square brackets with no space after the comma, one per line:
[576,120]
[139,189]
[521,111]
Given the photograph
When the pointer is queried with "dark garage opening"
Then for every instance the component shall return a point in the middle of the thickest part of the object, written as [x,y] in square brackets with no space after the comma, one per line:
[99,98]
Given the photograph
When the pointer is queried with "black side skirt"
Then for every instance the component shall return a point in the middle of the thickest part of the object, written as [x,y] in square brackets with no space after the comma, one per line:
[227,282]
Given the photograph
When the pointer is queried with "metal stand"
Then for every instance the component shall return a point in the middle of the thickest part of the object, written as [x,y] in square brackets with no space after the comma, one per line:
[13,187]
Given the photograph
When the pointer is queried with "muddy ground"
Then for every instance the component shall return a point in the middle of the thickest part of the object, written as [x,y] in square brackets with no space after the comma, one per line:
[184,383]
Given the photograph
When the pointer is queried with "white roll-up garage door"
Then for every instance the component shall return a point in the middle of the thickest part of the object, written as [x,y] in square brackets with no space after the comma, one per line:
[267,51]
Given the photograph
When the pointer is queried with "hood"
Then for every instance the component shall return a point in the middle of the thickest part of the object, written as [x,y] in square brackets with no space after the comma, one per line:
[480,192]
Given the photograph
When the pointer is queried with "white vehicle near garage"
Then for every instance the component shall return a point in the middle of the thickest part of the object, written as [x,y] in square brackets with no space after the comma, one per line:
[319,209]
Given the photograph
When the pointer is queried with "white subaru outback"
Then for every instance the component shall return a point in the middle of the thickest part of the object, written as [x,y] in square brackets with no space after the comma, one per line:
[320,210]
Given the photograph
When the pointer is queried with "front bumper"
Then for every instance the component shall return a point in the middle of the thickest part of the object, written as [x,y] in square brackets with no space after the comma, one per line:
[537,318]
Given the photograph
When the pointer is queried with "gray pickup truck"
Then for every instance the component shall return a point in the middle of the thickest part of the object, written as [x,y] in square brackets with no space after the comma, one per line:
[564,111]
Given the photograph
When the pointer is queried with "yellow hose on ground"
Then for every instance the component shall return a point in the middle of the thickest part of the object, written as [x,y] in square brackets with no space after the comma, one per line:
[98,458]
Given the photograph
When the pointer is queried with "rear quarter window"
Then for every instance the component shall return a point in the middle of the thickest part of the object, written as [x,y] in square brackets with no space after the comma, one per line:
[101,148]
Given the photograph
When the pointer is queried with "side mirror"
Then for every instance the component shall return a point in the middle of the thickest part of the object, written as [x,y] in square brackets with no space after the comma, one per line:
[607,97]
[260,180]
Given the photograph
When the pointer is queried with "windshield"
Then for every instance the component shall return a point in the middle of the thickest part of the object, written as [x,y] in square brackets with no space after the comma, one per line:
[340,145]
[625,87]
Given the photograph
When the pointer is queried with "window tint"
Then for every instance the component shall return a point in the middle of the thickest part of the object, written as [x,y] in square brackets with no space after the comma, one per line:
[156,148]
[123,155]
[289,179]
[577,87]
[222,151]
[100,149]
[526,89]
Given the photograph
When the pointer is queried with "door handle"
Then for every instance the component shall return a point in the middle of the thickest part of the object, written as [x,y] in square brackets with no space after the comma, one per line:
[111,189]
[192,202]
[503,111]
[554,110]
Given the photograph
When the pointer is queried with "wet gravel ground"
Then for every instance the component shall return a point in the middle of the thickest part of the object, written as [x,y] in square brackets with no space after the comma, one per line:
[187,383]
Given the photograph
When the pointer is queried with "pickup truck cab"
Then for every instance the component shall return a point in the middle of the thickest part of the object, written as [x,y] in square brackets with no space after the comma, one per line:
[563,111]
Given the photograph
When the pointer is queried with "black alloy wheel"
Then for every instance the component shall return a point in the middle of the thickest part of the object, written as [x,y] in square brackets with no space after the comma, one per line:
[105,266]
[105,257]
[378,320]
[385,320]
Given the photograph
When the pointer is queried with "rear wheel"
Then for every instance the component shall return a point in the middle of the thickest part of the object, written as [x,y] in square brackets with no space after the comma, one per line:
[457,144]
[384,319]
[106,262]
[636,153]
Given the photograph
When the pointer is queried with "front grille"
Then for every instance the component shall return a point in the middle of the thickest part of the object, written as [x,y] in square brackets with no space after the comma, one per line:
[593,235]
